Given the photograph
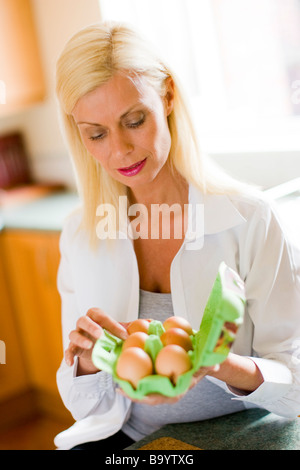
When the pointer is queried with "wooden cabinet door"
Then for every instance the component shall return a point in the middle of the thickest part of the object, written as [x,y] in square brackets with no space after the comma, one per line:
[22,73]
[13,378]
[31,262]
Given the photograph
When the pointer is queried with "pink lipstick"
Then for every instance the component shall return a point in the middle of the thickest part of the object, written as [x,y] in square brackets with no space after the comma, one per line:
[133,169]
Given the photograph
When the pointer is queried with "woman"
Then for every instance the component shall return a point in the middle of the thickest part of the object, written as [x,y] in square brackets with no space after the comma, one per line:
[130,135]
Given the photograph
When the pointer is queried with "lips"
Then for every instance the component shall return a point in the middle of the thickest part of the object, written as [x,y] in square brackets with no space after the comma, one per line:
[134,169]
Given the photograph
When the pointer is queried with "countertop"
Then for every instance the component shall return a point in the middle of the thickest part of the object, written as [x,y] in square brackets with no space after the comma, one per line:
[49,211]
[254,429]
[45,213]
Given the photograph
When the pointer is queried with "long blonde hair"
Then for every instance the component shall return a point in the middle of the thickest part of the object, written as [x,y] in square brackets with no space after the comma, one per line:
[90,58]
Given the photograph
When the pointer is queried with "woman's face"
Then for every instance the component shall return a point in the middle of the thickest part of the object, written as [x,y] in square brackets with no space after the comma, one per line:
[124,126]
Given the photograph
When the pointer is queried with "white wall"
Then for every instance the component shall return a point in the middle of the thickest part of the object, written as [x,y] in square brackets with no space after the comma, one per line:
[265,169]
[56,21]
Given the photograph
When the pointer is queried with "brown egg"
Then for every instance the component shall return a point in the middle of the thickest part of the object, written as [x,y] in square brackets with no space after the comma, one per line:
[177,336]
[134,364]
[137,339]
[172,361]
[138,325]
[178,322]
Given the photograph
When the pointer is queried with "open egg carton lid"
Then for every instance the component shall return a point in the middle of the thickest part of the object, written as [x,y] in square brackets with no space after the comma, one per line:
[222,317]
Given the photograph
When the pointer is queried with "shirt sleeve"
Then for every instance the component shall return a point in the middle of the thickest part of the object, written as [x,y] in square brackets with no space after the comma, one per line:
[271,262]
[83,395]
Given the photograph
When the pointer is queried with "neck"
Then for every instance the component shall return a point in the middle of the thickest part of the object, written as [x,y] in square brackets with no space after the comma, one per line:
[168,188]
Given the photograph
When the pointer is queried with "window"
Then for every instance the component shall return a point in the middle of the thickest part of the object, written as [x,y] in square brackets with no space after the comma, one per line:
[239,61]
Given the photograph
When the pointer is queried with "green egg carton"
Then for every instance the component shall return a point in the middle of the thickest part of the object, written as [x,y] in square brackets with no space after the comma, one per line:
[222,317]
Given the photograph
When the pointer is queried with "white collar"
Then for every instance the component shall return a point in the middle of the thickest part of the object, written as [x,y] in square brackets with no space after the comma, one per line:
[219,212]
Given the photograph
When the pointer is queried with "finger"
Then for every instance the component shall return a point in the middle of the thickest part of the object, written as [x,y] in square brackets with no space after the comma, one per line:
[80,340]
[152,399]
[157,399]
[89,327]
[71,352]
[107,322]
[204,370]
[77,346]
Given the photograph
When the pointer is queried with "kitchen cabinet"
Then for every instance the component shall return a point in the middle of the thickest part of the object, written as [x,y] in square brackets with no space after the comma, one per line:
[30,308]
[13,378]
[31,260]
[22,81]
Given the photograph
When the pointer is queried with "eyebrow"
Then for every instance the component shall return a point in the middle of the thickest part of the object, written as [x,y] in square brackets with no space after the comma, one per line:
[122,116]
[90,123]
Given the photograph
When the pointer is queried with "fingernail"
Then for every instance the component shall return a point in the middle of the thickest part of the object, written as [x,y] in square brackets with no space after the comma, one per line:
[88,344]
[124,335]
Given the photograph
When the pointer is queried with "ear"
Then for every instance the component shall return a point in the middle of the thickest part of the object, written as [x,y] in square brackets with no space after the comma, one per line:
[169,95]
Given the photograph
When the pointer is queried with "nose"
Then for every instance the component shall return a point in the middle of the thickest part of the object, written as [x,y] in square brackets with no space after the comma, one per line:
[120,144]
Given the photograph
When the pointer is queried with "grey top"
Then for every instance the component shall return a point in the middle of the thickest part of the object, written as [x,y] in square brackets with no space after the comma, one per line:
[205,400]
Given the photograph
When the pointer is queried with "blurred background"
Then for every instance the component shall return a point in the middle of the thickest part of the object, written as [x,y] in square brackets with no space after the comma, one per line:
[239,63]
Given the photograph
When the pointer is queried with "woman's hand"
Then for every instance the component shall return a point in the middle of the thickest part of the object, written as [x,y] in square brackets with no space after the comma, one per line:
[89,328]
[240,373]
[158,399]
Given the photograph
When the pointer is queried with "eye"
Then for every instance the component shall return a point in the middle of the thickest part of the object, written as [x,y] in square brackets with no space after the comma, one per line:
[98,136]
[136,124]
[136,121]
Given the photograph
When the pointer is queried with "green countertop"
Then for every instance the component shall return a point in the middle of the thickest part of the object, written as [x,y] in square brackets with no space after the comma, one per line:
[254,429]
[45,213]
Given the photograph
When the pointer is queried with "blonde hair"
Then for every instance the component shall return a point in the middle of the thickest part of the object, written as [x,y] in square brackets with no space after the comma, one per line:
[90,58]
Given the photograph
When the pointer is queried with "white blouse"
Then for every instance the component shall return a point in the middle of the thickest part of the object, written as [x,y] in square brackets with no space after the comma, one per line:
[244,232]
